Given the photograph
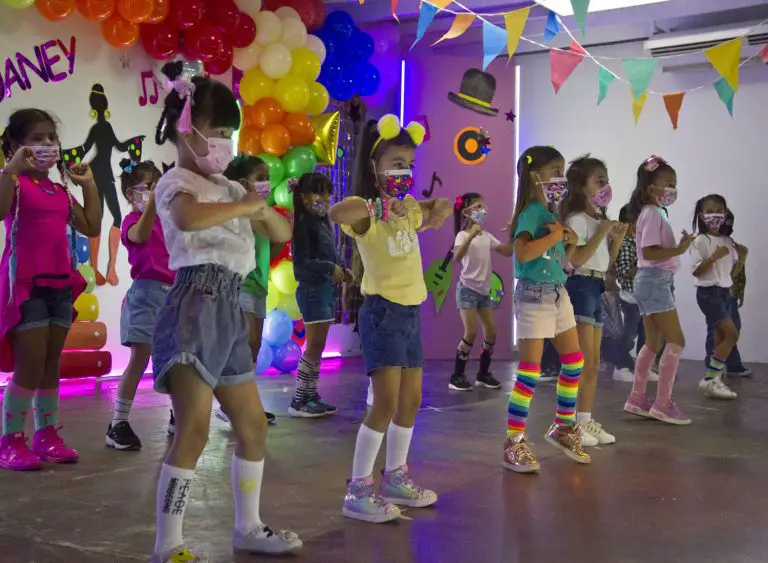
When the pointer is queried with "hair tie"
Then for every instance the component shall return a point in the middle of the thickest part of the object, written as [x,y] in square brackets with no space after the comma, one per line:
[389,127]
[459,202]
[185,88]
[653,162]
[130,167]
[529,159]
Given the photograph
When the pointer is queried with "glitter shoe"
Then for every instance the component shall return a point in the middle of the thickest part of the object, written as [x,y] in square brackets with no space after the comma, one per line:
[264,540]
[178,554]
[638,404]
[16,455]
[398,488]
[518,456]
[49,446]
[567,439]
[362,503]
[669,413]
[716,388]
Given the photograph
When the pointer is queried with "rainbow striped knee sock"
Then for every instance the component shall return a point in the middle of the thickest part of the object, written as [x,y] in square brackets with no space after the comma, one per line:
[568,387]
[520,399]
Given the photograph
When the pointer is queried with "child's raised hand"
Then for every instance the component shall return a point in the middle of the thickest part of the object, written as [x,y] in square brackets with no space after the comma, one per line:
[397,208]
[441,210]
[338,274]
[619,229]
[606,226]
[23,160]
[475,230]
[252,203]
[721,252]
[555,228]
[685,240]
[80,174]
[349,277]
[569,235]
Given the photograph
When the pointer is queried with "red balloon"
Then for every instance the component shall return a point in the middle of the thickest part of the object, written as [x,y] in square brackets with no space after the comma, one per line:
[284,253]
[244,33]
[185,14]
[319,20]
[224,14]
[221,63]
[204,42]
[161,41]
[307,9]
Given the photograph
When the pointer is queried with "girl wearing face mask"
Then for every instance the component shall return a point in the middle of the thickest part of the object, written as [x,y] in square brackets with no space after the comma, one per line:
[473,247]
[39,281]
[657,261]
[384,222]
[318,271]
[714,256]
[142,236]
[599,240]
[543,308]
[201,343]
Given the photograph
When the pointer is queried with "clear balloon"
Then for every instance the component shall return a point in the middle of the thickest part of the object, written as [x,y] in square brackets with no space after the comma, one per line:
[269,28]
[293,93]
[248,57]
[275,60]
[286,12]
[294,33]
[306,64]
[255,85]
[318,99]
[286,357]
[316,45]
[278,326]
[264,358]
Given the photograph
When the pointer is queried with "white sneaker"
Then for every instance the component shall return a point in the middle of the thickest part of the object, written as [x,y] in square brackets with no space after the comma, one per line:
[716,389]
[624,375]
[264,540]
[587,439]
[595,429]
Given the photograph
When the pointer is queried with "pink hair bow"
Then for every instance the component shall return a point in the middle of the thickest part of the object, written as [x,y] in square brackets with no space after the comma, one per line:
[185,88]
[652,163]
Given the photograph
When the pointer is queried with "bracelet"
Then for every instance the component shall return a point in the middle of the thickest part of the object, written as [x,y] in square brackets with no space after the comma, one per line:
[379,209]
[371,212]
[6,172]
[385,210]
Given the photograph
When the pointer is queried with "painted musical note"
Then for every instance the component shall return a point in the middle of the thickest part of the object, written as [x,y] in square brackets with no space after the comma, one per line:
[153,98]
[435,181]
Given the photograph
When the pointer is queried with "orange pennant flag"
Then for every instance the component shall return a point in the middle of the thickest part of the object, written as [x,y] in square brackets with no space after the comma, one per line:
[460,24]
[637,106]
[726,58]
[673,102]
[515,23]
[393,7]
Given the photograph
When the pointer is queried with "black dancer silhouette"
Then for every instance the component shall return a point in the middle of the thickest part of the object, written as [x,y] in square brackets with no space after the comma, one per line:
[103,137]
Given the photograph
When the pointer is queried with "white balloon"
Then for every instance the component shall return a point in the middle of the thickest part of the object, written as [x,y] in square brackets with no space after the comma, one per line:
[316,45]
[294,33]
[250,7]
[268,28]
[246,59]
[275,60]
[286,12]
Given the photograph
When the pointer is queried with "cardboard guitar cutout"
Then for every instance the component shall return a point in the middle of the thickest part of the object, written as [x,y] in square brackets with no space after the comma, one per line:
[438,279]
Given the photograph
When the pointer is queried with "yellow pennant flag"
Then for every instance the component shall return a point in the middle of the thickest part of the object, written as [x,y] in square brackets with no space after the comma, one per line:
[637,106]
[515,23]
[460,24]
[726,58]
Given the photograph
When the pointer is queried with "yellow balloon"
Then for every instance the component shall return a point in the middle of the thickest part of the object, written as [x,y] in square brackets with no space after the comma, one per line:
[2,160]
[255,85]
[326,145]
[273,297]
[318,99]
[293,94]
[289,306]
[283,278]
[87,307]
[306,64]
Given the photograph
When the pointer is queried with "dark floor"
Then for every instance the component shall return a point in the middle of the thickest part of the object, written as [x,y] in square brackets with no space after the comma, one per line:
[662,494]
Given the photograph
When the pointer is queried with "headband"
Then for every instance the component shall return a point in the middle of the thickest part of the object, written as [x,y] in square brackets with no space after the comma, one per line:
[185,88]
[389,127]
[653,162]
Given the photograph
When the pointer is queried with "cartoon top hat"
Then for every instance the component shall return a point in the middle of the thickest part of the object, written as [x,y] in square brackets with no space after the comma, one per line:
[476,92]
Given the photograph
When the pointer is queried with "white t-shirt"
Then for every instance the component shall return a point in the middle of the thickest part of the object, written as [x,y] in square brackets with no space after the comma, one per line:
[229,244]
[585,226]
[720,273]
[476,264]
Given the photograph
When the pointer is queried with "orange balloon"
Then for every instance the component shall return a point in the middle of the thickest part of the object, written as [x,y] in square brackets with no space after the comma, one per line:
[55,10]
[119,32]
[135,11]
[275,139]
[267,111]
[96,10]
[247,114]
[249,141]
[160,11]
[301,129]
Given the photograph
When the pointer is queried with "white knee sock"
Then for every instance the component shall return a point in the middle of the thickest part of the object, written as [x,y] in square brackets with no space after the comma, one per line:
[246,488]
[173,488]
[398,444]
[121,411]
[366,449]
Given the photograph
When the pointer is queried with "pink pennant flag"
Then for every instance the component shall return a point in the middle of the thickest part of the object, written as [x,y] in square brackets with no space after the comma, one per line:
[764,54]
[563,63]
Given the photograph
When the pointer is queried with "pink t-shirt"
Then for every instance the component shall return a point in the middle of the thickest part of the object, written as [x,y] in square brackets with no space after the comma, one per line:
[476,264]
[653,229]
[149,261]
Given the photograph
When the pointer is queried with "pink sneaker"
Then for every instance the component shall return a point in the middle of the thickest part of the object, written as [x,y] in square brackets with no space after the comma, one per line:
[50,447]
[638,404]
[669,413]
[16,455]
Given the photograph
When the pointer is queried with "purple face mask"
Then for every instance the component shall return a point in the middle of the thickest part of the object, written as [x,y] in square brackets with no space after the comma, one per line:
[555,190]
[668,197]
[602,197]
[713,221]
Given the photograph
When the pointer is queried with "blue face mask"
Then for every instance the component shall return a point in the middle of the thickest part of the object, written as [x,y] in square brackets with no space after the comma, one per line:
[478,216]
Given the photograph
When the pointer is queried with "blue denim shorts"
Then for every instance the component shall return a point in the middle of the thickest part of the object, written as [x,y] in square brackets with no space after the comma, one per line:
[202,324]
[46,306]
[586,293]
[715,302]
[390,334]
[256,306]
[139,313]
[543,310]
[317,302]
[655,290]
[470,299]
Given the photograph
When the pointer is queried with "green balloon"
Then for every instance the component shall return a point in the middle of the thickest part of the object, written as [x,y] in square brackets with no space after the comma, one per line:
[299,161]
[283,195]
[276,168]
[19,4]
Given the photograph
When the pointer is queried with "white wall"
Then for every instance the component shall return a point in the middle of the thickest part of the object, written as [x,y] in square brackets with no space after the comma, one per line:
[710,151]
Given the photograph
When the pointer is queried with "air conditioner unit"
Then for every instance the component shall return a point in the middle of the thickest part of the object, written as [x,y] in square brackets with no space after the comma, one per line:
[681,43]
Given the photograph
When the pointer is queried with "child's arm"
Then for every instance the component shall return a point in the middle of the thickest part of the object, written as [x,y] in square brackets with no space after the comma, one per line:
[270,224]
[352,211]
[434,212]
[581,254]
[704,264]
[141,230]
[526,248]
[188,214]
[618,232]
[88,216]
[460,251]
[506,249]
[656,252]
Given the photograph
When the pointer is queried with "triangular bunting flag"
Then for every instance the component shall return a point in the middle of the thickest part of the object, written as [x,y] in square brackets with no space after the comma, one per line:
[764,54]
[575,47]
[639,72]
[426,15]
[673,103]
[563,63]
[494,39]
[515,23]
[725,92]
[580,9]
[726,58]
[605,79]
[460,24]
[637,105]
[552,28]
[393,7]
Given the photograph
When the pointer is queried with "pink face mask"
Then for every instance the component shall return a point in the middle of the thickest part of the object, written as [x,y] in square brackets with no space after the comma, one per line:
[668,197]
[602,197]
[555,190]
[220,154]
[713,221]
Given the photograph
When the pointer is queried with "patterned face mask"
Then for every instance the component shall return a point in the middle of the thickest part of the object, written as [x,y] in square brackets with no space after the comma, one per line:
[602,197]
[555,190]
[397,183]
[668,197]
[320,208]
[713,221]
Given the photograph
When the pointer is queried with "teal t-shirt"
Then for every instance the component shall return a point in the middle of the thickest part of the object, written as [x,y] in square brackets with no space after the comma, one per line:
[257,281]
[549,267]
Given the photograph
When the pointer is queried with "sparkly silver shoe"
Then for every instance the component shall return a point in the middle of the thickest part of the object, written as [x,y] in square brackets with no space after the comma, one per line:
[362,503]
[398,488]
[264,540]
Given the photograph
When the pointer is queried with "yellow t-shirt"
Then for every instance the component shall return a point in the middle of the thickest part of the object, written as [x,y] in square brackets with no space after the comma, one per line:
[392,257]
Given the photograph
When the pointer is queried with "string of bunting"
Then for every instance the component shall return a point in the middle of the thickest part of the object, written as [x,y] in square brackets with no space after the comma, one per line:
[725,58]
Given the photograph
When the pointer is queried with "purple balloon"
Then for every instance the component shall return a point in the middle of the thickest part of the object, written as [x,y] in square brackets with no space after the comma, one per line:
[358,49]
[329,72]
[340,24]
[345,86]
[285,358]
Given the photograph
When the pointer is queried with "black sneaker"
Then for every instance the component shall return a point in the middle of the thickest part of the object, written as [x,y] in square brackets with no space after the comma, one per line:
[307,409]
[271,418]
[172,425]
[459,384]
[122,437]
[549,375]
[222,416]
[487,380]
[330,409]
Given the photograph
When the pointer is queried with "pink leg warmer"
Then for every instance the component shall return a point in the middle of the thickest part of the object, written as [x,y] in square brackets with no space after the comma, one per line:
[667,372]
[643,363]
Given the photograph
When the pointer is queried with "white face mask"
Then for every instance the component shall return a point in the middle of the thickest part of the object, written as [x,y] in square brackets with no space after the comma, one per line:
[141,196]
[220,154]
